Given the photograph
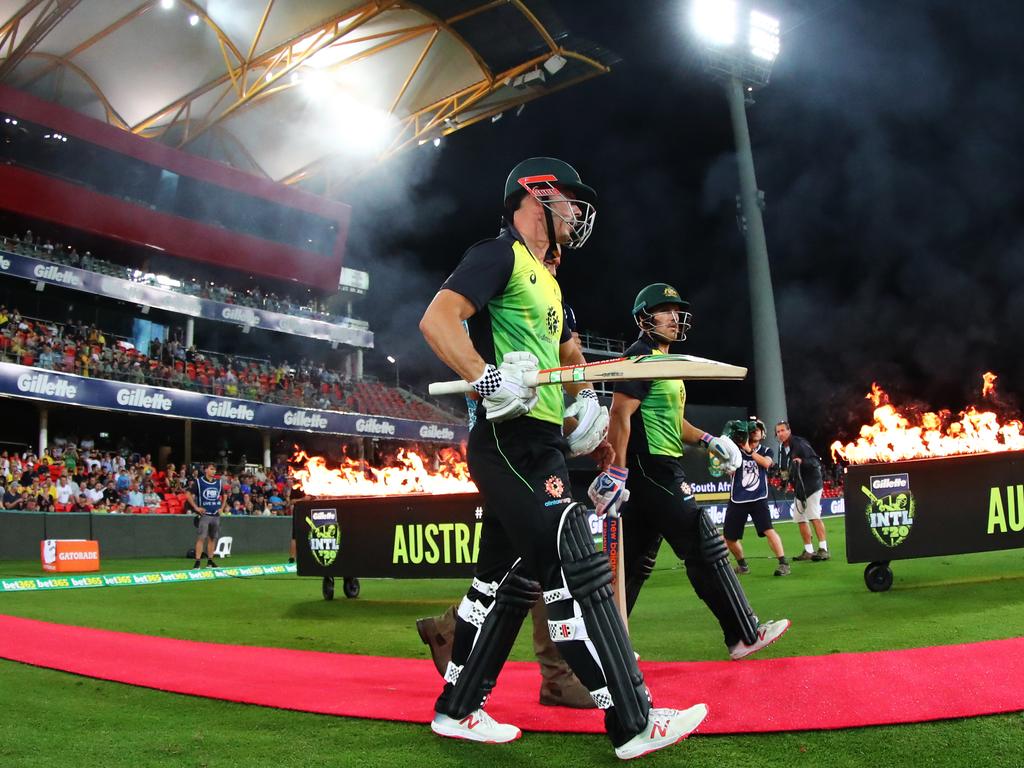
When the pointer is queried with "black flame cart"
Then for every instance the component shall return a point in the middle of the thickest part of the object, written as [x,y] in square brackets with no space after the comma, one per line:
[407,536]
[930,507]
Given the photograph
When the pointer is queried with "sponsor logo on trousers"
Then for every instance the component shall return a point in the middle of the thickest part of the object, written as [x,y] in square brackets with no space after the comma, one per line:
[305,419]
[44,384]
[223,409]
[138,398]
[375,426]
[435,432]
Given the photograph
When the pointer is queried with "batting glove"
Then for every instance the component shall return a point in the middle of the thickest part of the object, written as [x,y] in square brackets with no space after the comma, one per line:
[608,491]
[725,449]
[504,394]
[592,423]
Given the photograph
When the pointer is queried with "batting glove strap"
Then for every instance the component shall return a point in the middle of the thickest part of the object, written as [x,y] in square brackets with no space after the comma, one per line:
[706,439]
[488,382]
[617,473]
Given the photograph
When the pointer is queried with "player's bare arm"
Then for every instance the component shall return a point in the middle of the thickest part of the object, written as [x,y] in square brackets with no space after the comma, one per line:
[441,326]
[623,408]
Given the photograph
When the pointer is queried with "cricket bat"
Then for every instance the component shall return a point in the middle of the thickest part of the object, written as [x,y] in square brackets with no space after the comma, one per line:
[639,368]
[612,535]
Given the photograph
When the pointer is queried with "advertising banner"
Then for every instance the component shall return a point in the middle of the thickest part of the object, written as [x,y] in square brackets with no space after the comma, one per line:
[928,507]
[68,389]
[407,536]
[782,511]
[69,555]
[40,270]
[141,579]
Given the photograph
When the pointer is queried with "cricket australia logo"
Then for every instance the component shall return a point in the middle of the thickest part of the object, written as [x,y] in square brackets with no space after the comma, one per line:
[552,321]
[324,535]
[891,508]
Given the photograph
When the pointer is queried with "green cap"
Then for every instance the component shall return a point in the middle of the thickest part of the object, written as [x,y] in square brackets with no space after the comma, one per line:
[564,177]
[655,294]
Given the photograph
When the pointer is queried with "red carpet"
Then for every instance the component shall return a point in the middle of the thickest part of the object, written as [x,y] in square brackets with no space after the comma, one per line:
[841,690]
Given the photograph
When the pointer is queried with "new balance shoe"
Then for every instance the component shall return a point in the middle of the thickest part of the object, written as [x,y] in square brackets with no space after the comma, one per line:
[664,728]
[476,726]
[821,554]
[767,634]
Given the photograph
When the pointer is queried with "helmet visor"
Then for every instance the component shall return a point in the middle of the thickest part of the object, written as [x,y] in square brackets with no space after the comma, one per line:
[577,213]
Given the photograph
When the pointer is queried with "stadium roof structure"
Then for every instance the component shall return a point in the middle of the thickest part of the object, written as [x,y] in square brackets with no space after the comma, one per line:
[297,91]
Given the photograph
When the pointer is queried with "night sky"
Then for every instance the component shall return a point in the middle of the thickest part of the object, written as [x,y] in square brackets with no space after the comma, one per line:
[889,147]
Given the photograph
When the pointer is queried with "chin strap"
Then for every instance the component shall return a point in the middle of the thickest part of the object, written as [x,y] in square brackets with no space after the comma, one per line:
[553,252]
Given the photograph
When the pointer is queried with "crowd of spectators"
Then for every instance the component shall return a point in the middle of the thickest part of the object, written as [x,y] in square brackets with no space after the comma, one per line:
[83,349]
[40,248]
[67,478]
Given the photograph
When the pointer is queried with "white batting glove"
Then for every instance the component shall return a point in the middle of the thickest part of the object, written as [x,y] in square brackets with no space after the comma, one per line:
[725,449]
[608,491]
[592,423]
[504,394]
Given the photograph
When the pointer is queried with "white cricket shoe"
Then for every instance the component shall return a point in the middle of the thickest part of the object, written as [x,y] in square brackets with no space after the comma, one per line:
[476,726]
[767,634]
[664,728]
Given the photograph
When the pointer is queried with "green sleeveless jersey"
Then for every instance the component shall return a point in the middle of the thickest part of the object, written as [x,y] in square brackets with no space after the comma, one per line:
[519,309]
[656,427]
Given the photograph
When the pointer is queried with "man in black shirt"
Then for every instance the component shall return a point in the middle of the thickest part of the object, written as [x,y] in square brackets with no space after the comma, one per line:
[800,465]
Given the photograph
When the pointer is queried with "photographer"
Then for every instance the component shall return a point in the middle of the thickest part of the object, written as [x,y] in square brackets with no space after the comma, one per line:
[749,496]
[801,467]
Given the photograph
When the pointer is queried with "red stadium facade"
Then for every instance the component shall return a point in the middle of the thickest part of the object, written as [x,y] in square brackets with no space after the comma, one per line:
[60,166]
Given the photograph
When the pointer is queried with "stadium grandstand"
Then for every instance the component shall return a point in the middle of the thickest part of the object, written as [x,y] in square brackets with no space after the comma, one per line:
[172,232]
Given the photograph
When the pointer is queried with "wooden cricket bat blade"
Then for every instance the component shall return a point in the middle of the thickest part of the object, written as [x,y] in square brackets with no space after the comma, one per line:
[638,368]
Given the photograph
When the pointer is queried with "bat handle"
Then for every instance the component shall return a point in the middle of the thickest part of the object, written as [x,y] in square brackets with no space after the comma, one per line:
[459,387]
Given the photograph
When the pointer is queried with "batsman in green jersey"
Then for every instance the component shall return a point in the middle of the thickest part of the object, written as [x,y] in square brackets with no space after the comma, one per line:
[536,542]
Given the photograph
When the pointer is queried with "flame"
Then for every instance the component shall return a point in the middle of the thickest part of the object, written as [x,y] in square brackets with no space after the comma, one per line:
[988,386]
[893,436]
[408,473]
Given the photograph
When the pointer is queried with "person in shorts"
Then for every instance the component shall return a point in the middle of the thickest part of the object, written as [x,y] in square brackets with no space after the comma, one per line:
[801,467]
[206,496]
[749,495]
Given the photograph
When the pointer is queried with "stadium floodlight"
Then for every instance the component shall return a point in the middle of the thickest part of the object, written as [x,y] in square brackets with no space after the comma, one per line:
[554,64]
[714,21]
[736,41]
[193,20]
[739,45]
[167,4]
[394,361]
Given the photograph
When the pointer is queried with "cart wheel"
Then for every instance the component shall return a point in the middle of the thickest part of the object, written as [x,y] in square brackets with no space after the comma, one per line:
[328,587]
[878,576]
[350,586]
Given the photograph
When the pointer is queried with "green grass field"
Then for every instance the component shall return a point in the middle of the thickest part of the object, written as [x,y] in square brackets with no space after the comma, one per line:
[51,716]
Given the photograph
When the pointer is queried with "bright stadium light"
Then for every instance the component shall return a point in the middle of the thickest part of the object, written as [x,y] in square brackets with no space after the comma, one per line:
[739,45]
[167,4]
[764,36]
[714,21]
[193,19]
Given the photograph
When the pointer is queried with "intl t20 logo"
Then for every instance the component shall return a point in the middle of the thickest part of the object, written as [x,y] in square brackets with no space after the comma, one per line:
[324,535]
[891,508]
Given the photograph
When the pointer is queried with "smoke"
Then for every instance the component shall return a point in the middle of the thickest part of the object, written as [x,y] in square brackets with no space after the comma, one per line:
[888,148]
[392,207]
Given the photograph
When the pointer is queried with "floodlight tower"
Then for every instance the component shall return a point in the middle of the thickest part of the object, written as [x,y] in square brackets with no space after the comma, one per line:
[739,46]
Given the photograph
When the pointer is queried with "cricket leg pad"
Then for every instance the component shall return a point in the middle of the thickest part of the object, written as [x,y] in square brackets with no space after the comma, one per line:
[715,554]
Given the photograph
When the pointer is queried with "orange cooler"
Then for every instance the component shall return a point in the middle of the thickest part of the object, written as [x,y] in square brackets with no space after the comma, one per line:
[69,555]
